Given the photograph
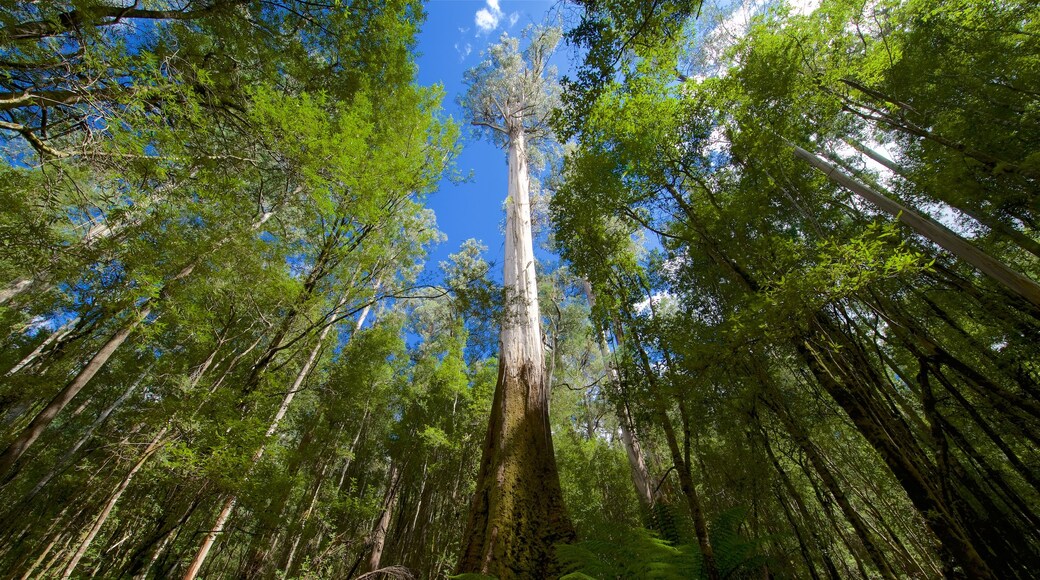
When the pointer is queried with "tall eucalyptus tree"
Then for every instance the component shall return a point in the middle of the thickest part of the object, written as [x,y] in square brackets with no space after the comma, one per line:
[517,514]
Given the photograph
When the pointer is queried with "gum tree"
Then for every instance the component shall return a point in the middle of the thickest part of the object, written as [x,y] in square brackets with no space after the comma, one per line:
[517,513]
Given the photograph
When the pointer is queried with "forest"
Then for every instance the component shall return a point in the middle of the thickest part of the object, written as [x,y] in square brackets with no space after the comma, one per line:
[764,304]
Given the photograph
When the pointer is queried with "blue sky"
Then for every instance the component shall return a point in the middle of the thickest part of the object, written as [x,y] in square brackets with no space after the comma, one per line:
[451,41]
[452,38]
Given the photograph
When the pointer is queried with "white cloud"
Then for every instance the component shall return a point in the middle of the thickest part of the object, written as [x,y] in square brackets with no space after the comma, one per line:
[463,50]
[487,19]
[513,18]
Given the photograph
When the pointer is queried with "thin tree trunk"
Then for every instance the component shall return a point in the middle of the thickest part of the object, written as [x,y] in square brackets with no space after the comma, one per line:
[47,549]
[637,465]
[682,466]
[43,555]
[44,418]
[990,162]
[693,501]
[832,519]
[229,504]
[830,482]
[383,523]
[149,549]
[901,455]
[932,230]
[14,289]
[353,448]
[803,544]
[1022,240]
[68,456]
[302,524]
[803,511]
[155,556]
[54,337]
[111,503]
[154,446]
[96,232]
[633,449]
[71,525]
[211,535]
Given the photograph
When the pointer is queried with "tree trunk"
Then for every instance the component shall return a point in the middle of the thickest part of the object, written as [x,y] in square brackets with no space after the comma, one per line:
[901,460]
[994,224]
[54,338]
[830,482]
[14,289]
[111,503]
[900,123]
[637,465]
[211,536]
[633,449]
[517,513]
[44,418]
[150,548]
[301,526]
[383,524]
[681,464]
[822,546]
[229,503]
[932,230]
[67,458]
[693,502]
[96,232]
[353,449]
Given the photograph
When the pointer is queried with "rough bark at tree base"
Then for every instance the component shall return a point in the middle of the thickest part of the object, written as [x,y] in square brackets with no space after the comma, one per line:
[517,515]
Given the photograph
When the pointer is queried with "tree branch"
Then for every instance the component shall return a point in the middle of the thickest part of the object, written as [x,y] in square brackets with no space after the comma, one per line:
[36,143]
[490,126]
[71,20]
[10,101]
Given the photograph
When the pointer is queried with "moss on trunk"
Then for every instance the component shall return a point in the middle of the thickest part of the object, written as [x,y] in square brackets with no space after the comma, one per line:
[517,514]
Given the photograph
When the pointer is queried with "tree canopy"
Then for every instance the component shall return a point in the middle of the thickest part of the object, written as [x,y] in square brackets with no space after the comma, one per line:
[768,306]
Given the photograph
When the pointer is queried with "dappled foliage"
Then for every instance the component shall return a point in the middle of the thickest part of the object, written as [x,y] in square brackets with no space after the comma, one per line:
[838,361]
[787,281]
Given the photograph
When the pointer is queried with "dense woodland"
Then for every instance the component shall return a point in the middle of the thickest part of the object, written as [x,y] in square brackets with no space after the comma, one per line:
[785,321]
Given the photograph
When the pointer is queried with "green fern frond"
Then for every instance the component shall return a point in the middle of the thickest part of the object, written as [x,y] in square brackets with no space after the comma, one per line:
[736,555]
[638,554]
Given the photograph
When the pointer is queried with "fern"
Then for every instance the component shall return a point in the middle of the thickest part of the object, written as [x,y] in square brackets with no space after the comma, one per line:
[637,554]
[640,553]
[735,555]
[665,520]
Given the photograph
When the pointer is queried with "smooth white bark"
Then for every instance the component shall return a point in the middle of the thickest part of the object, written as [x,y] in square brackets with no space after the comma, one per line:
[521,335]
[55,336]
